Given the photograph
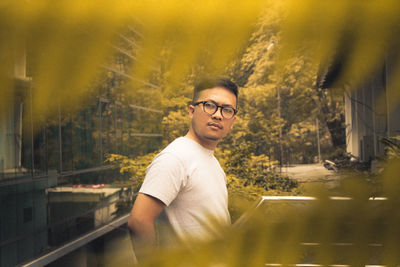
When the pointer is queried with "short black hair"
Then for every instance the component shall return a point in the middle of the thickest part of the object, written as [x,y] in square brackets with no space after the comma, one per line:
[209,83]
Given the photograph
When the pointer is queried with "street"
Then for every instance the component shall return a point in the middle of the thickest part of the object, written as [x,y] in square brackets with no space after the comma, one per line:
[311,173]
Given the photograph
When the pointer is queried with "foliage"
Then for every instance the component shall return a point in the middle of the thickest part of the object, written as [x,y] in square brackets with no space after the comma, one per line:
[84,35]
[176,120]
[253,170]
[263,75]
[250,177]
[175,124]
[241,196]
[392,147]
[271,46]
[69,43]
[134,168]
[354,232]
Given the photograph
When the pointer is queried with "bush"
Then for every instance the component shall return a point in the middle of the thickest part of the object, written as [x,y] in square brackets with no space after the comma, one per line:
[134,168]
[253,170]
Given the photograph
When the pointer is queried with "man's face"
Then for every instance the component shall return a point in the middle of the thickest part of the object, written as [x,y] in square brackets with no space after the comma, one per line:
[212,128]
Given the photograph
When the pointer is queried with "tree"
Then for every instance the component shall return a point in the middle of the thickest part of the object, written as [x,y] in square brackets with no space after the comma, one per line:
[262,70]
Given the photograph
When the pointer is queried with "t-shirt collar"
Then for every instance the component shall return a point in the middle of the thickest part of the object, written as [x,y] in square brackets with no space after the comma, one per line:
[206,150]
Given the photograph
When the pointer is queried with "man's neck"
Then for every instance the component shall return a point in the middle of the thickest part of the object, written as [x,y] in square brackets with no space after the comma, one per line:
[208,144]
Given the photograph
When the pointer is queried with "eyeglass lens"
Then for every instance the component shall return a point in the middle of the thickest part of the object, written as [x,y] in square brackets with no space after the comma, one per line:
[211,108]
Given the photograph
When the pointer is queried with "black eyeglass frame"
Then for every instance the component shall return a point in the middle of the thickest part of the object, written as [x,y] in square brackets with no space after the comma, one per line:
[217,106]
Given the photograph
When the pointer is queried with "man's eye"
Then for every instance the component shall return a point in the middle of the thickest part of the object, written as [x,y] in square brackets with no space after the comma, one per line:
[209,105]
[228,110]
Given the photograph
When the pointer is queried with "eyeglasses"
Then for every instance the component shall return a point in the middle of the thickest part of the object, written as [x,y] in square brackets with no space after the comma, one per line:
[210,107]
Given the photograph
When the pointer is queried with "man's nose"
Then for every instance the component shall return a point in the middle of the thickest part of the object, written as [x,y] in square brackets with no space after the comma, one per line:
[218,114]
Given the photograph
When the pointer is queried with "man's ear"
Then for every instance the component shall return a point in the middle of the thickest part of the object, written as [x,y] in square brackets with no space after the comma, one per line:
[191,111]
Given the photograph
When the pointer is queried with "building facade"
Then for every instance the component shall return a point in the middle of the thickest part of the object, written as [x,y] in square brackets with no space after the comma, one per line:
[371,113]
[59,204]
[372,110]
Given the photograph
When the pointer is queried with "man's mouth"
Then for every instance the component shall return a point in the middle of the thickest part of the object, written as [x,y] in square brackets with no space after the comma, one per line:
[216,125]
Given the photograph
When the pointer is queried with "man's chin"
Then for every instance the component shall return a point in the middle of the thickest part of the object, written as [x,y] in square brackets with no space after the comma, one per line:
[213,138]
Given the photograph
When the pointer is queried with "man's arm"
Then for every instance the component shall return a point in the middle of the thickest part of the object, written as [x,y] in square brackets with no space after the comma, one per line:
[141,222]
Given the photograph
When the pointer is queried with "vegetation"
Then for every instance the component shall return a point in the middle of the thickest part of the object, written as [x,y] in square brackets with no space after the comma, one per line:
[392,146]
[247,175]
[274,50]
[328,232]
[134,169]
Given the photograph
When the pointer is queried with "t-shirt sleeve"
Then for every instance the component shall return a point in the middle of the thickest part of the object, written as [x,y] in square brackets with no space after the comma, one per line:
[165,177]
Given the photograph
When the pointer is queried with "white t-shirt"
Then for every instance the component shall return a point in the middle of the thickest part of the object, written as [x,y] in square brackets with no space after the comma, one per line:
[189,180]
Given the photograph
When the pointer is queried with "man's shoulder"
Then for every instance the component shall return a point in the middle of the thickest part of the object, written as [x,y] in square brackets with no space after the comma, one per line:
[187,151]
[180,146]
[174,150]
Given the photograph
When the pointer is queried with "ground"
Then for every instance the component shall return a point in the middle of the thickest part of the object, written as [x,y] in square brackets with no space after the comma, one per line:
[313,173]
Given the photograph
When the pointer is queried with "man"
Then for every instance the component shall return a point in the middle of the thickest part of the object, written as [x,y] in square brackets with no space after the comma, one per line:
[185,179]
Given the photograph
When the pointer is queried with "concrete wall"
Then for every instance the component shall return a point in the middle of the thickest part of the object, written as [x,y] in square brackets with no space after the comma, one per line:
[370,115]
[23,211]
[112,249]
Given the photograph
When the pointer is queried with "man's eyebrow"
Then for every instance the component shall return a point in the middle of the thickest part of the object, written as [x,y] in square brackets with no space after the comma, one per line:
[223,105]
[228,106]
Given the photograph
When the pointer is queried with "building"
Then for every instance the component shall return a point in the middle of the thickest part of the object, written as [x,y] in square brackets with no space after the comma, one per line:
[44,219]
[371,110]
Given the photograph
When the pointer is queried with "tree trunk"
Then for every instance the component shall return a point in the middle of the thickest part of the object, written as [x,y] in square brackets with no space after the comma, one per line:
[337,130]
